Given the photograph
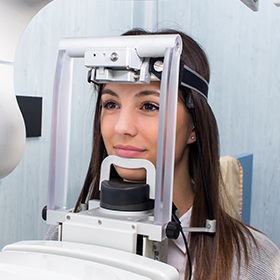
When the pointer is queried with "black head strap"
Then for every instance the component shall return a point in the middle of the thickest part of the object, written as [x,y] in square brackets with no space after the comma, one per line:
[188,78]
[192,80]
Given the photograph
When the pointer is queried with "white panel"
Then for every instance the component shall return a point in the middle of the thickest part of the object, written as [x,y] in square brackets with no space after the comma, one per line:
[14,17]
[73,261]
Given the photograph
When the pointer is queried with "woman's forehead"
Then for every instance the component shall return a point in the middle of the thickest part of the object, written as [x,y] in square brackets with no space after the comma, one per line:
[153,86]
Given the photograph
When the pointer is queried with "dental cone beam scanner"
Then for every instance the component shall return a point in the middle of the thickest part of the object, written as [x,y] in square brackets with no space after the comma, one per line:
[127,59]
[124,59]
[137,234]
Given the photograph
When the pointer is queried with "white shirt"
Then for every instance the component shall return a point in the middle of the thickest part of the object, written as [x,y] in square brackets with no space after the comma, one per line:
[264,264]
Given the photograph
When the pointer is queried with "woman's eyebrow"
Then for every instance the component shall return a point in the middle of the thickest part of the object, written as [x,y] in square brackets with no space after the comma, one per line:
[147,92]
[108,91]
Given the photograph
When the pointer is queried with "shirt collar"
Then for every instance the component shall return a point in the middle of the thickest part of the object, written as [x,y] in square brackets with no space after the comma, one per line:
[185,222]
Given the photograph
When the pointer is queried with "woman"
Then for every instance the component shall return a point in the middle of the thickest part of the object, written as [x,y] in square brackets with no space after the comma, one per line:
[235,251]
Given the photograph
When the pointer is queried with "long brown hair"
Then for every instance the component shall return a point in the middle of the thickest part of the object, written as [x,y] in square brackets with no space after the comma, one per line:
[211,254]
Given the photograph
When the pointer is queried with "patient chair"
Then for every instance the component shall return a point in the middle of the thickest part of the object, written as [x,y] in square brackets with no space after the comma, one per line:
[236,187]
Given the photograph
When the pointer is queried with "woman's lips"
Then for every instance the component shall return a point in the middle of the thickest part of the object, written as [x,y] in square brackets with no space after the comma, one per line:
[128,151]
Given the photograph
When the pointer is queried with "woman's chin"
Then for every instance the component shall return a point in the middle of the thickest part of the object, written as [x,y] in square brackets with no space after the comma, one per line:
[132,175]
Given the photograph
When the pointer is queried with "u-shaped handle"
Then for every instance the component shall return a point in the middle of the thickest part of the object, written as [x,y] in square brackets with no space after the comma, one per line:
[129,163]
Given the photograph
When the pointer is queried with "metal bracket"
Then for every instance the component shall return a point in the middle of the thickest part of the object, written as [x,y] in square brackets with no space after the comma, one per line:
[209,227]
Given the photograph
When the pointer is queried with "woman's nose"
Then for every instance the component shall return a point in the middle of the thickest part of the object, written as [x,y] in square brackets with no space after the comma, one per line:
[126,123]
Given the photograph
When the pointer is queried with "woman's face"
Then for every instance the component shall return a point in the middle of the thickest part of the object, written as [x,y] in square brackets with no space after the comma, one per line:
[129,125]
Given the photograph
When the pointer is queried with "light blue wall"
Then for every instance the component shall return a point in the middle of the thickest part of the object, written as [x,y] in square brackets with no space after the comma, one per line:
[244,51]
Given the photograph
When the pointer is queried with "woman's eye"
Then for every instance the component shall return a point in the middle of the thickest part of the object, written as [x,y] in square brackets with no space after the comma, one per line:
[150,107]
[109,105]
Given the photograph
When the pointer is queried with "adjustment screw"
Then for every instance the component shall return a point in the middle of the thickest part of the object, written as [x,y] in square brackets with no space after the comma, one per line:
[158,66]
[114,57]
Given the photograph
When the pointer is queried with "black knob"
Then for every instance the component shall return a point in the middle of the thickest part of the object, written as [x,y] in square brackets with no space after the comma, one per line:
[173,230]
[44,213]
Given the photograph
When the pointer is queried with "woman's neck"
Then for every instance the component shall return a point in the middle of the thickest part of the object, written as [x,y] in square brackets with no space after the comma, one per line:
[183,193]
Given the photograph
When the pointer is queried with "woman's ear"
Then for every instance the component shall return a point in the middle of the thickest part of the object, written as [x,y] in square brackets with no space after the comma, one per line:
[192,137]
